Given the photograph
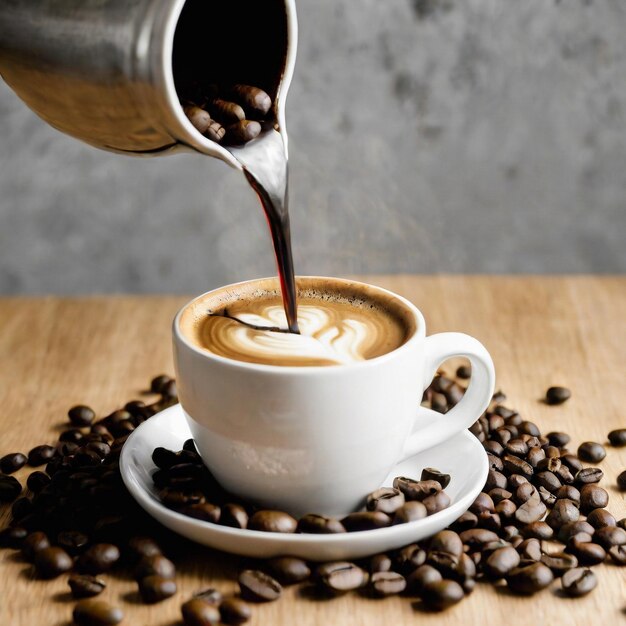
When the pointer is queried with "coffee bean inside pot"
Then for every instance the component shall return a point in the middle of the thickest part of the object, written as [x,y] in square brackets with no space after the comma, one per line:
[386,499]
[273,522]
[430,473]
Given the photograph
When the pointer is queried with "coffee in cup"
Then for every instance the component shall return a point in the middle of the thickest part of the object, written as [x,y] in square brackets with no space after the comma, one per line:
[339,324]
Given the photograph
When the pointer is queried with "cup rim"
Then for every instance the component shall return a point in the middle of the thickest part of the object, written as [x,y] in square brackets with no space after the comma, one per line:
[418,334]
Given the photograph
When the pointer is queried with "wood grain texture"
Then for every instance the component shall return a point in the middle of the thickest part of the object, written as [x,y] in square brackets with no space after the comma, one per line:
[571,331]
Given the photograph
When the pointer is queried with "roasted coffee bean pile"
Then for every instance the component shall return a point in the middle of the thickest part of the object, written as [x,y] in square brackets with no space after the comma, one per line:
[542,515]
[231,115]
[187,486]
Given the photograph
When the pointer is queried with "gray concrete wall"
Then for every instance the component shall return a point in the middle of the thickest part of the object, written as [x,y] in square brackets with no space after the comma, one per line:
[426,136]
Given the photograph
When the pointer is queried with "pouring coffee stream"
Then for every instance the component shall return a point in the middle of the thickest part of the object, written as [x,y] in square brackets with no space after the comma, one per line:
[110,72]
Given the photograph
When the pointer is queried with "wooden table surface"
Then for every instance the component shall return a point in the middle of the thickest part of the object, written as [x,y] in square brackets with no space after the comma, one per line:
[57,352]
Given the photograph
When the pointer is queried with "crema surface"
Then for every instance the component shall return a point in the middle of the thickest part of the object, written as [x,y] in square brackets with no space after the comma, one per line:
[335,329]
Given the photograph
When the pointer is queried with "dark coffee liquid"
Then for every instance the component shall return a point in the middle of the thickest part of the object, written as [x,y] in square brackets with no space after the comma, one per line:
[277,214]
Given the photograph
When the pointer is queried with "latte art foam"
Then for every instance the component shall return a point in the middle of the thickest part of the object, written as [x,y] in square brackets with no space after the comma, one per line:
[336,328]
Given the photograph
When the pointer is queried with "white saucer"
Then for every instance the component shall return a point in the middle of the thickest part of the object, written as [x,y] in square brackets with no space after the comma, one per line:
[463,457]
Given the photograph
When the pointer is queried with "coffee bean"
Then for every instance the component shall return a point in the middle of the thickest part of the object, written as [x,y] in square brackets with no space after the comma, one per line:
[199,612]
[441,595]
[493,447]
[81,415]
[498,494]
[234,516]
[409,512]
[621,480]
[500,562]
[36,481]
[621,523]
[515,465]
[531,511]
[384,584]
[289,570]
[530,579]
[437,502]
[591,452]
[599,518]
[504,509]
[618,555]
[96,613]
[154,589]
[414,489]
[564,511]
[12,537]
[155,565]
[139,547]
[158,383]
[483,502]
[587,553]
[33,543]
[558,395]
[273,522]
[589,475]
[386,499]
[573,528]
[495,480]
[439,403]
[72,541]
[10,488]
[466,521]
[234,611]
[474,538]
[559,563]
[366,521]
[530,550]
[446,541]
[99,558]
[409,558]
[464,372]
[207,512]
[420,577]
[11,463]
[242,132]
[253,99]
[215,131]
[379,563]
[320,525]
[617,437]
[546,497]
[85,586]
[538,530]
[535,456]
[40,455]
[430,473]
[578,582]
[560,440]
[609,536]
[198,117]
[52,562]
[548,480]
[568,492]
[593,497]
[572,462]
[258,586]
[495,464]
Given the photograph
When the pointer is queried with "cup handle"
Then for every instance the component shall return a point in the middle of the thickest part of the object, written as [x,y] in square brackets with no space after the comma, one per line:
[476,399]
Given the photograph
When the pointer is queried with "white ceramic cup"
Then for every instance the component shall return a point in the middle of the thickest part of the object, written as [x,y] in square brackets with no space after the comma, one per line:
[318,439]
